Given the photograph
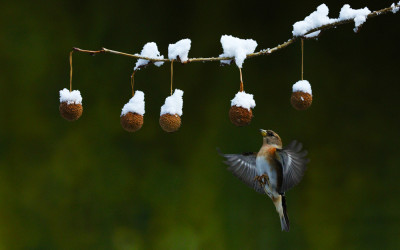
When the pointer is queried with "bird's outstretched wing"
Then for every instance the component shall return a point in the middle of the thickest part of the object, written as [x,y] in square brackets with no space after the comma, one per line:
[294,164]
[243,166]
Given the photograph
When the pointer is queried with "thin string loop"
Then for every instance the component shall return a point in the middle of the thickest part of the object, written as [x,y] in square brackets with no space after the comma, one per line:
[241,80]
[133,82]
[302,58]
[172,73]
[70,70]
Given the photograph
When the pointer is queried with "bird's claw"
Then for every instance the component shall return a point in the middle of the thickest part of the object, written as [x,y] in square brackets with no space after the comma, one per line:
[262,179]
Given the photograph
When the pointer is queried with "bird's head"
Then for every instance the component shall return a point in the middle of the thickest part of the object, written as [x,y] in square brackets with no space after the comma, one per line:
[271,138]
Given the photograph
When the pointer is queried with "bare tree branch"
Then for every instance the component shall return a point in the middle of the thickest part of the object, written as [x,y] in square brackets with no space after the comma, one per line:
[260,53]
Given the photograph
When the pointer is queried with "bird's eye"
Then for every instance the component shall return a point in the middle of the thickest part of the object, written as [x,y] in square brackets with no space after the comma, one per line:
[270,133]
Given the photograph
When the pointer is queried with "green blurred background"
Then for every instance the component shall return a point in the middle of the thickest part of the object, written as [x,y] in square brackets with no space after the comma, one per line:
[91,185]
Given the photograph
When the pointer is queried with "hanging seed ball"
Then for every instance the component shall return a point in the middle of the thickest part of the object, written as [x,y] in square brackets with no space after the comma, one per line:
[301,98]
[240,116]
[70,112]
[70,104]
[132,113]
[171,112]
[132,122]
[241,112]
[170,123]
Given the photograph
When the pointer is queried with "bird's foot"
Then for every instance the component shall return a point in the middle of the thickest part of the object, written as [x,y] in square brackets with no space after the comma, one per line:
[262,179]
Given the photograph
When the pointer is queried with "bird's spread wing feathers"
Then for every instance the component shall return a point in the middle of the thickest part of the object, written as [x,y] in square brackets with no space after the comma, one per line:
[294,164]
[243,166]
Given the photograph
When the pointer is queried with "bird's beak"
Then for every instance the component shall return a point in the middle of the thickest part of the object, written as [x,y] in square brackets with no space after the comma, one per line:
[263,132]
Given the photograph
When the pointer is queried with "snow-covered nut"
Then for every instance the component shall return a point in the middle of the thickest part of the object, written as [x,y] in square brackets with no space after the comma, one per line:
[241,112]
[132,113]
[132,122]
[170,123]
[301,98]
[70,112]
[240,116]
[70,104]
[171,112]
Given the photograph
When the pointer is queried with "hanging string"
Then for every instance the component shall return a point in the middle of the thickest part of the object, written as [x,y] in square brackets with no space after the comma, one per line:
[70,71]
[241,80]
[172,73]
[302,58]
[133,82]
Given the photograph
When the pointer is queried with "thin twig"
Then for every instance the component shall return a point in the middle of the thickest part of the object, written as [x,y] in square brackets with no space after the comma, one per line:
[260,53]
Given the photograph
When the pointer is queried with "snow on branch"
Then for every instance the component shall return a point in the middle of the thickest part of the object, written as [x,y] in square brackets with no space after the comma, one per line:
[237,48]
[320,18]
[310,27]
[179,50]
[149,50]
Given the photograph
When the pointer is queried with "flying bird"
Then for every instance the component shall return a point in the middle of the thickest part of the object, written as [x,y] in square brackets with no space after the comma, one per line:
[272,171]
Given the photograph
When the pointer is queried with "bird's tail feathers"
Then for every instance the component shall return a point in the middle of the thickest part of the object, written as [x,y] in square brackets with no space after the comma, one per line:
[283,215]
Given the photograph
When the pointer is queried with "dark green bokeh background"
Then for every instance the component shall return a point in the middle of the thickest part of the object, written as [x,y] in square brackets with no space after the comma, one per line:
[91,185]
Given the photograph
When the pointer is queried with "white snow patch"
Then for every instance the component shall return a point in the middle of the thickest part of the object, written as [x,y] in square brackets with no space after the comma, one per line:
[313,35]
[73,97]
[359,15]
[173,104]
[395,8]
[314,20]
[149,50]
[302,86]
[244,100]
[181,49]
[238,48]
[135,104]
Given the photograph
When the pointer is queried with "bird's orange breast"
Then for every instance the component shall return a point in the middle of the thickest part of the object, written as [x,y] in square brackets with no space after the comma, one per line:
[271,154]
[268,153]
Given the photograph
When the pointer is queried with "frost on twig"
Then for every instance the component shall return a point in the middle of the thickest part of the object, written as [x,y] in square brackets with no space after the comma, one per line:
[238,48]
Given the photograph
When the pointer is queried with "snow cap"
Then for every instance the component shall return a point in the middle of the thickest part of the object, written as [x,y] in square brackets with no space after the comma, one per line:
[395,8]
[238,48]
[359,15]
[149,50]
[135,104]
[244,100]
[173,104]
[181,49]
[73,97]
[314,20]
[302,86]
